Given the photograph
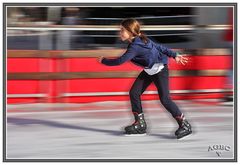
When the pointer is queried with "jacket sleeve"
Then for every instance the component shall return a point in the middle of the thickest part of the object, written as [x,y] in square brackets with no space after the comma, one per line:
[165,50]
[128,55]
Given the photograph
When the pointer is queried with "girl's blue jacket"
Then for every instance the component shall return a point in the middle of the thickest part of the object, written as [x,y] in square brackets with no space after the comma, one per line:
[141,54]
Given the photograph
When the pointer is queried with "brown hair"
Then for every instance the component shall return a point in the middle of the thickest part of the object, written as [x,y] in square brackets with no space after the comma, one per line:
[133,26]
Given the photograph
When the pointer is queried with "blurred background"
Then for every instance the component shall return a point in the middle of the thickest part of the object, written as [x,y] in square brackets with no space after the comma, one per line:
[52,52]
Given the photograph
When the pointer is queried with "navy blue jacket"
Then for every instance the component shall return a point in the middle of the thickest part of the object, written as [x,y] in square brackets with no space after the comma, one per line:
[141,54]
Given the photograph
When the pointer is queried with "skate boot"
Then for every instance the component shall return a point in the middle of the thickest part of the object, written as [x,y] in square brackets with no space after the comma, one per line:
[184,127]
[138,127]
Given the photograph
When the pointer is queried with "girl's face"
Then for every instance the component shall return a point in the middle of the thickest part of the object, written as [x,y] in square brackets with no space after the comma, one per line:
[124,34]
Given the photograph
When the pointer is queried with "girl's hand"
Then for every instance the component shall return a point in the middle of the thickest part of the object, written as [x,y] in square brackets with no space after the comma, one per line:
[181,59]
[100,59]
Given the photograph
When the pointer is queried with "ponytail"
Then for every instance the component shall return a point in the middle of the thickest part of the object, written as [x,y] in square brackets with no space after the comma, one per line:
[143,37]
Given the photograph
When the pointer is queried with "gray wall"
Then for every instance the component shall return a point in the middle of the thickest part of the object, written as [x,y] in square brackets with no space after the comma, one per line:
[211,16]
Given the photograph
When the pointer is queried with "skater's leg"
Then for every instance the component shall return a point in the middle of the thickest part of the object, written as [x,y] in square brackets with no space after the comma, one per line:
[139,86]
[161,80]
[139,126]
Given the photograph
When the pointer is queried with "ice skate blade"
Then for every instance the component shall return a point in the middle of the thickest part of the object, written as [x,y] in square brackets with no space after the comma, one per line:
[185,137]
[143,134]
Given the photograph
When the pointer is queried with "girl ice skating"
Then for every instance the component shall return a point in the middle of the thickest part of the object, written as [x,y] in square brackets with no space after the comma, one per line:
[153,58]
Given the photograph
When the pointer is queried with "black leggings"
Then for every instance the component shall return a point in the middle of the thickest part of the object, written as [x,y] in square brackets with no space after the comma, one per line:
[161,81]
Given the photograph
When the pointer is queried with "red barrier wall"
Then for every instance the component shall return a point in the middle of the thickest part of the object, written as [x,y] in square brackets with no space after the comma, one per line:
[55,88]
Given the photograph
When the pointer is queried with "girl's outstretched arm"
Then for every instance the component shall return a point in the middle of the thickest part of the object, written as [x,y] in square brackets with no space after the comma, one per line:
[165,50]
[128,55]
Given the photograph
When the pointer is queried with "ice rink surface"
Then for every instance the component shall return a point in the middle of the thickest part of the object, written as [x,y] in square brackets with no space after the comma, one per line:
[95,131]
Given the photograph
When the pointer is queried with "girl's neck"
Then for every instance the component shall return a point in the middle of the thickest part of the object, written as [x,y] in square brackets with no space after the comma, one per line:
[130,39]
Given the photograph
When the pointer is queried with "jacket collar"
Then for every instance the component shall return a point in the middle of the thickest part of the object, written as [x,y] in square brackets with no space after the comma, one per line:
[136,39]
